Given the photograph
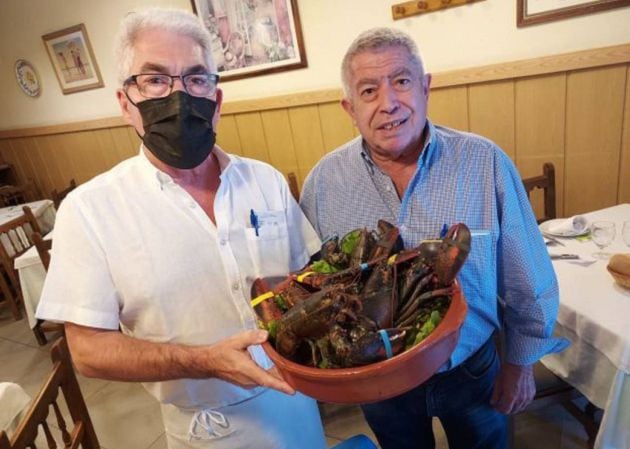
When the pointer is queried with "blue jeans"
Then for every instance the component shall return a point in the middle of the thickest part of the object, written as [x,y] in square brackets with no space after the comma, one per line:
[460,398]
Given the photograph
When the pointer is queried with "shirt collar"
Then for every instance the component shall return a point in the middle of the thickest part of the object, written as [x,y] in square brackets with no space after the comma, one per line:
[162,178]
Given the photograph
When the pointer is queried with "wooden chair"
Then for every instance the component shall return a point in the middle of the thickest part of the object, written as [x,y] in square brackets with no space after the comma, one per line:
[15,240]
[42,326]
[547,182]
[11,195]
[59,195]
[293,186]
[550,389]
[62,378]
[43,248]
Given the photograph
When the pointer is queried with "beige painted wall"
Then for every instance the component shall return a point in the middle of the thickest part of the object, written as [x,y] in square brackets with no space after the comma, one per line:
[468,36]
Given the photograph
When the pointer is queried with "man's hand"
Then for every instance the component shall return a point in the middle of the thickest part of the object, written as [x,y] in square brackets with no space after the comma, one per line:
[231,362]
[514,388]
[108,354]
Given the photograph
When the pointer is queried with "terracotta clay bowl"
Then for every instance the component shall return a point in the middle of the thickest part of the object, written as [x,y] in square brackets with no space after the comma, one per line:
[381,380]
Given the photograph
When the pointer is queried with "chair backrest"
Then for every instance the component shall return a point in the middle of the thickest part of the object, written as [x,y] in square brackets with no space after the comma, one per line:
[546,182]
[81,431]
[11,195]
[42,326]
[293,186]
[43,248]
[16,237]
[59,195]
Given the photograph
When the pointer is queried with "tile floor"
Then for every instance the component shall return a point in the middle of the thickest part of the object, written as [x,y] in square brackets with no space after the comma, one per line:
[126,417]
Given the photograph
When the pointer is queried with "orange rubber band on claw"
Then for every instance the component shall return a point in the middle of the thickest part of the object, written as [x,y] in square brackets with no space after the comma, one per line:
[258,299]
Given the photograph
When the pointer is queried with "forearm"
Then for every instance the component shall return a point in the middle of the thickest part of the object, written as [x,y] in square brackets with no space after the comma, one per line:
[112,355]
[108,354]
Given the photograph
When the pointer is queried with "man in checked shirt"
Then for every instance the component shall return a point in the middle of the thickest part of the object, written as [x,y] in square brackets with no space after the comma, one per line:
[421,176]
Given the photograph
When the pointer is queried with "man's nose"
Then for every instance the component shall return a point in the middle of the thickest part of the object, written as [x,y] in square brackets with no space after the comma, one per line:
[389,99]
[178,84]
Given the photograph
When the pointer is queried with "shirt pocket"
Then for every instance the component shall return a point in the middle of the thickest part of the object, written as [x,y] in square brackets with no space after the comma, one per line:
[478,276]
[268,243]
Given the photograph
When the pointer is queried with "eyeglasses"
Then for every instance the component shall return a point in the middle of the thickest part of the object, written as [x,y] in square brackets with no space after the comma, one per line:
[160,85]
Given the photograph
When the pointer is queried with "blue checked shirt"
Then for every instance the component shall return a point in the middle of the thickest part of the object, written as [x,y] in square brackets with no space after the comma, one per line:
[465,178]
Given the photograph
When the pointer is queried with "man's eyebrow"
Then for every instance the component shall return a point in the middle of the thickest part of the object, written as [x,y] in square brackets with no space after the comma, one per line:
[152,67]
[401,71]
[199,68]
[394,74]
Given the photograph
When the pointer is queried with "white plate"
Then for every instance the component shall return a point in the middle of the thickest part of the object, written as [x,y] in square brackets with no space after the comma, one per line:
[544,228]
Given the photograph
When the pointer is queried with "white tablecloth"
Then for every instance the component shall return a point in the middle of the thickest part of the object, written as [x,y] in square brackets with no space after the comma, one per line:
[44,211]
[32,274]
[14,402]
[595,315]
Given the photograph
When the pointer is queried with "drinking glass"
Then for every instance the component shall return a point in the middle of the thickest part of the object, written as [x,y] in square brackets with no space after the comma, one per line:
[602,234]
[625,232]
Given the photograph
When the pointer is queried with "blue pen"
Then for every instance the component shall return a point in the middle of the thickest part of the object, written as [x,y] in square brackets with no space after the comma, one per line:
[443,231]
[253,218]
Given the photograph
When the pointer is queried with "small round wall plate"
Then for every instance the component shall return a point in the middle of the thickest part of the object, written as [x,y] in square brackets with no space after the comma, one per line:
[27,78]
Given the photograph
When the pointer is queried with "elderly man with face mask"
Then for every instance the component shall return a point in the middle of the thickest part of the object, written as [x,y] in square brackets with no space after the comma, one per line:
[423,177]
[153,261]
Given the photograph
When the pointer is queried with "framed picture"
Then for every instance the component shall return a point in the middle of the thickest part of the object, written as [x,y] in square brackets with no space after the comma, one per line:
[253,37]
[530,12]
[72,58]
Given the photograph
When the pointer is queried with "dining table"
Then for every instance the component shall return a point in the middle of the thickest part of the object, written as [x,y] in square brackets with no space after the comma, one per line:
[32,274]
[594,314]
[44,211]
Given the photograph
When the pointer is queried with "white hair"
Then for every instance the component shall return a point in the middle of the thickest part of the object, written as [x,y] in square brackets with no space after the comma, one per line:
[174,20]
[376,39]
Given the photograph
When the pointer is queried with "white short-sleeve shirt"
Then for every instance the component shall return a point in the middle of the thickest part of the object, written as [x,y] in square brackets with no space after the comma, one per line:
[132,248]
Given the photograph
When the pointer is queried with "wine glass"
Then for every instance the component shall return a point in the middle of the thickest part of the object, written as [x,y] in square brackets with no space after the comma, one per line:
[625,232]
[602,234]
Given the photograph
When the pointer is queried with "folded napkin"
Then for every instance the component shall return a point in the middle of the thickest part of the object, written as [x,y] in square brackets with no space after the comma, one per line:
[574,225]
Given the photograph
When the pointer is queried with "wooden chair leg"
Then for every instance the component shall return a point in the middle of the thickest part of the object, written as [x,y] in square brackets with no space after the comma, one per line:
[585,417]
[40,336]
[10,298]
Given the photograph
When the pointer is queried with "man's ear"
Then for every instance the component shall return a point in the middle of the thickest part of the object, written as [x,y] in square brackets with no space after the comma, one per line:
[346,104]
[427,85]
[217,112]
[124,104]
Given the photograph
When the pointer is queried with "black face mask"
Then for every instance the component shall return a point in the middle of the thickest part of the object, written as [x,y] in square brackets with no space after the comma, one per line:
[178,128]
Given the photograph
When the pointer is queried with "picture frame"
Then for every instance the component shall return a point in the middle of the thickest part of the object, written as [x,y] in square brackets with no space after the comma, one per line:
[73,60]
[531,12]
[253,37]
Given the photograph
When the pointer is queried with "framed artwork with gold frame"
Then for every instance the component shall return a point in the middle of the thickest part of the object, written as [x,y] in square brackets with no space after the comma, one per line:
[253,37]
[531,12]
[73,60]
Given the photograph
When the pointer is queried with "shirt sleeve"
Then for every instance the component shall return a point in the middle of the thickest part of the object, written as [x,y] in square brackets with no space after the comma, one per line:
[78,286]
[303,238]
[308,201]
[527,284]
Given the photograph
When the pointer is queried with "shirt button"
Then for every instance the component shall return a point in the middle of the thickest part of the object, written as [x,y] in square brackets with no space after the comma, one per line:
[222,242]
[192,204]
[235,286]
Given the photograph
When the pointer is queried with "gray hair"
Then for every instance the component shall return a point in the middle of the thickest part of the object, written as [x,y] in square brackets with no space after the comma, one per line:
[373,40]
[173,20]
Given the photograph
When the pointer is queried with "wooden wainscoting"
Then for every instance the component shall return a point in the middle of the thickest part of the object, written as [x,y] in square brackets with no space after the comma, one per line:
[571,109]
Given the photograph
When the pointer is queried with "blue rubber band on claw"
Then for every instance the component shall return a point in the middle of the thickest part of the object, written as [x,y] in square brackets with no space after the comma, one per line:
[386,343]
[364,266]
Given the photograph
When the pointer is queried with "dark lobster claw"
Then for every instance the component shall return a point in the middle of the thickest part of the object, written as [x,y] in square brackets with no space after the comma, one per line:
[371,348]
[453,253]
[389,241]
